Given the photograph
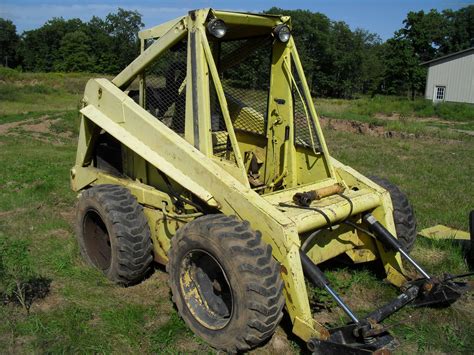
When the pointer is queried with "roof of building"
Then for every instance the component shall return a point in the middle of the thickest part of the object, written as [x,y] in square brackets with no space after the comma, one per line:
[449,56]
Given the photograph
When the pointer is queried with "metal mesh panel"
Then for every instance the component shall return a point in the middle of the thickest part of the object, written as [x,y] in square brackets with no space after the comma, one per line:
[244,68]
[165,93]
[305,129]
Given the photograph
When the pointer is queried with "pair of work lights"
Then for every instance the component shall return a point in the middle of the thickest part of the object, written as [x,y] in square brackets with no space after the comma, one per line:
[218,29]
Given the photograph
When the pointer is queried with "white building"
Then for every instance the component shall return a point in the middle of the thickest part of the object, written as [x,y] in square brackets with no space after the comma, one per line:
[451,78]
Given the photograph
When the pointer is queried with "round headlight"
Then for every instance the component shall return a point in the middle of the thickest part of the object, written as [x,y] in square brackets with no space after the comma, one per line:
[217,28]
[282,32]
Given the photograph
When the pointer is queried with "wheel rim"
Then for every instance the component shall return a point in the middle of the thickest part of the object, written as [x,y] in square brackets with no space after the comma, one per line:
[97,240]
[206,289]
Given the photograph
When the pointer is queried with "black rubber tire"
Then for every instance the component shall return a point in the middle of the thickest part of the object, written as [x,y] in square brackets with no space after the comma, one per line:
[253,277]
[403,214]
[113,233]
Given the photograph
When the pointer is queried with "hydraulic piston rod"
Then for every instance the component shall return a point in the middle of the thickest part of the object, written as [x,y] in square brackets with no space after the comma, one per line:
[387,239]
[316,276]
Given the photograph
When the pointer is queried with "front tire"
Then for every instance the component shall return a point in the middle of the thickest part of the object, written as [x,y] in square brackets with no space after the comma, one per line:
[225,282]
[113,233]
[403,214]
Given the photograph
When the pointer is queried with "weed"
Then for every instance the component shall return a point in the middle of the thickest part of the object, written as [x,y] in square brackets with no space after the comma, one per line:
[18,280]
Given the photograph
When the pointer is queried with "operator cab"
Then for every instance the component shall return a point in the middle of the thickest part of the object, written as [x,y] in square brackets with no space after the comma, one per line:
[251,73]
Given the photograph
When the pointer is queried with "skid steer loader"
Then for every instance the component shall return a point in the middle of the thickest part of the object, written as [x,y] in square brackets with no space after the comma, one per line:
[205,154]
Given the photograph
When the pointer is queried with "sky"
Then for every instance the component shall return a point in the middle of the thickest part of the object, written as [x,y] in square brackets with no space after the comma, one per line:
[383,17]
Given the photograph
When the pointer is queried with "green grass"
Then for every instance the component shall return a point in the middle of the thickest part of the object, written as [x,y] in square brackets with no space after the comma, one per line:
[400,114]
[86,313]
[40,92]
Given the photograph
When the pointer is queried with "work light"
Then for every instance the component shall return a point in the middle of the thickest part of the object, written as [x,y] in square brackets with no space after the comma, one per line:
[217,28]
[282,32]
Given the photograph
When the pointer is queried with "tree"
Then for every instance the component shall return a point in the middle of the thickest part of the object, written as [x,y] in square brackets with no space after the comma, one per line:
[74,55]
[418,41]
[102,55]
[311,32]
[372,66]
[40,47]
[123,28]
[403,73]
[8,43]
[346,52]
[461,34]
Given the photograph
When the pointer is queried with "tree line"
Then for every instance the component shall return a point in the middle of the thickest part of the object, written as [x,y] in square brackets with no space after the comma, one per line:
[339,61]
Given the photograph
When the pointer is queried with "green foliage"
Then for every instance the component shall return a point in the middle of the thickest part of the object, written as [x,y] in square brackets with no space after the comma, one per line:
[461,29]
[403,73]
[37,92]
[39,48]
[425,36]
[15,263]
[123,29]
[338,62]
[105,46]
[74,53]
[8,74]
[8,43]
[369,108]
[16,270]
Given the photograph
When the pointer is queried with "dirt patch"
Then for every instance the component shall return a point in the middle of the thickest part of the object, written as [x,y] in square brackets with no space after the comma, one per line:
[5,127]
[430,256]
[146,292]
[68,215]
[384,117]
[190,346]
[278,344]
[59,234]
[37,128]
[51,302]
[464,131]
[401,117]
[11,212]
[44,126]
[369,129]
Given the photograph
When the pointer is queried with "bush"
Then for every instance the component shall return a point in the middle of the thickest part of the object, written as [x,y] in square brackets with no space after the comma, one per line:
[7,74]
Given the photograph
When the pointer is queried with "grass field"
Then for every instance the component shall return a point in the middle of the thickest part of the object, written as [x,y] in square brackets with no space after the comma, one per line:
[83,312]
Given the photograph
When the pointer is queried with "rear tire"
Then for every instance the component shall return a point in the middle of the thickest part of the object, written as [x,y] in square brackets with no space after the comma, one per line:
[403,214]
[225,282]
[113,233]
